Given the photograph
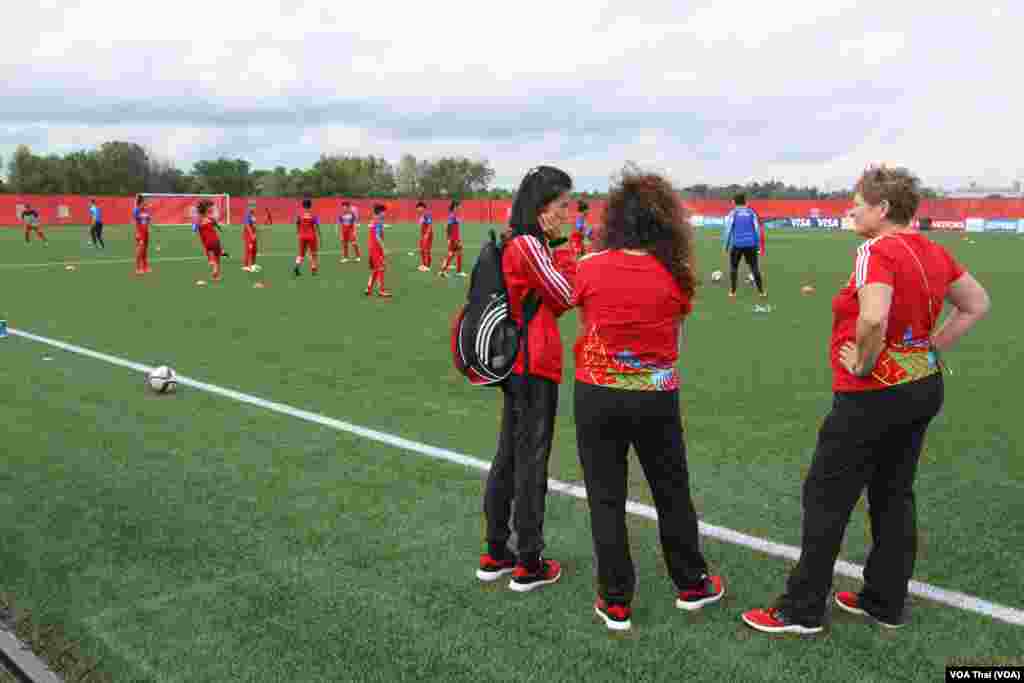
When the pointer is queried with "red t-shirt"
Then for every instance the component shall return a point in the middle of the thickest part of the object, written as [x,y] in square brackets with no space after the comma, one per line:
[208,231]
[307,224]
[631,308]
[919,271]
[453,227]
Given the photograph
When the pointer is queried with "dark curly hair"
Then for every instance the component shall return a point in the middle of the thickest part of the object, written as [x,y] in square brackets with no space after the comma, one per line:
[203,207]
[644,213]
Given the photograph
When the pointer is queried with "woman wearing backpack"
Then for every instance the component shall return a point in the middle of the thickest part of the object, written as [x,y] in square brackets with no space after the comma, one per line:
[538,267]
[633,295]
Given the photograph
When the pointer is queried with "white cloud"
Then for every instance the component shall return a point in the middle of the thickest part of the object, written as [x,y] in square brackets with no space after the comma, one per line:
[727,90]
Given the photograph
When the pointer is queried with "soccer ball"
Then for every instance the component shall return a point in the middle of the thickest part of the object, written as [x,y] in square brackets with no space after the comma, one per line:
[750,278]
[716,276]
[162,380]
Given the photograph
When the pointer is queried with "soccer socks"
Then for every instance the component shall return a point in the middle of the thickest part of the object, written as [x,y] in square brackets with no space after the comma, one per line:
[458,261]
[376,278]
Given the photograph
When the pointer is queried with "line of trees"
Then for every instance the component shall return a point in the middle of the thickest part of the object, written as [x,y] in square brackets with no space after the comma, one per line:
[123,168]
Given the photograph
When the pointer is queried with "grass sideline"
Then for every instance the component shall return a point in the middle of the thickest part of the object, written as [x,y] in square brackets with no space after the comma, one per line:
[279,529]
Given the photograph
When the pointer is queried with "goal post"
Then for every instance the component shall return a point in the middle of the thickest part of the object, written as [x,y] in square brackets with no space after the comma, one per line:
[180,209]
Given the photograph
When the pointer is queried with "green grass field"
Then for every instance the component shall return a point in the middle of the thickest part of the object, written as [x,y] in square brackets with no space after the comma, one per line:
[197,538]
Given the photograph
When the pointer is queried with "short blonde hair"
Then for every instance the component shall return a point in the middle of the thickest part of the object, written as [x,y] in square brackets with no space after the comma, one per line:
[898,186]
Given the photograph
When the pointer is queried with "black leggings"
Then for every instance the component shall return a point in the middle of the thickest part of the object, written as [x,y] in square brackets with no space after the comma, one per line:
[749,254]
[608,421]
[96,234]
[520,468]
[870,440]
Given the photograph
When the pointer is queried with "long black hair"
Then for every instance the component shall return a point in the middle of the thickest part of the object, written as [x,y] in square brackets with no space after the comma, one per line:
[540,186]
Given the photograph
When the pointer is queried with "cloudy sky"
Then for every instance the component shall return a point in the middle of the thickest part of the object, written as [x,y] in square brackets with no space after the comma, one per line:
[807,91]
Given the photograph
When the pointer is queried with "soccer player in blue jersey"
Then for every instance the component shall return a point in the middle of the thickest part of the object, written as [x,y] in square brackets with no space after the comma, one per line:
[96,231]
[743,237]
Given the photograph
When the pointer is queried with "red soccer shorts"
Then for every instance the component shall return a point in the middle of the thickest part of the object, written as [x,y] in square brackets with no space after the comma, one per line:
[213,251]
[376,257]
[348,233]
[307,244]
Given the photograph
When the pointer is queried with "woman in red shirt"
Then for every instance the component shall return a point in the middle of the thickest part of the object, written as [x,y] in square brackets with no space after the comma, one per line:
[539,272]
[633,294]
[887,384]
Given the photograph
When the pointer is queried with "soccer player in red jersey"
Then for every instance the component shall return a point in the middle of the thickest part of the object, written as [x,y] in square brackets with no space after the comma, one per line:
[143,219]
[454,241]
[308,226]
[208,230]
[31,219]
[426,221]
[348,221]
[580,231]
[249,239]
[375,248]
[268,220]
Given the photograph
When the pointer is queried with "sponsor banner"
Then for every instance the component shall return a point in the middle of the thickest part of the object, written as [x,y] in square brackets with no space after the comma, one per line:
[801,223]
[975,224]
[1001,225]
[1020,226]
[714,221]
[940,224]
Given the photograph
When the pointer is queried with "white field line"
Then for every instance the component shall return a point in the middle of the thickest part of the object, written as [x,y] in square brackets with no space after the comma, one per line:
[956,599]
[70,261]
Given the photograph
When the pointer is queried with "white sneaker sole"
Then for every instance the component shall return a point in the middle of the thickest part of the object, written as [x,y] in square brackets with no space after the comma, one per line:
[864,613]
[789,628]
[692,606]
[488,577]
[526,587]
[611,623]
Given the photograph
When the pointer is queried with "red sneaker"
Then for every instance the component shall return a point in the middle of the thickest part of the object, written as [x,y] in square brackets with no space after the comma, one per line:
[850,602]
[711,590]
[524,580]
[616,617]
[492,569]
[772,620]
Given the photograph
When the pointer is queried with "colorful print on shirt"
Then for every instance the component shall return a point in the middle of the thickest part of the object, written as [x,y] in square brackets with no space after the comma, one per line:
[623,370]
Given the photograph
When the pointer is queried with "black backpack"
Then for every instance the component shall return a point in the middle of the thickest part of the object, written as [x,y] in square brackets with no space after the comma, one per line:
[485,340]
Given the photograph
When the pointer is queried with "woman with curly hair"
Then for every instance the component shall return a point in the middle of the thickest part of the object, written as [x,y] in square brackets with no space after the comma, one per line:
[633,294]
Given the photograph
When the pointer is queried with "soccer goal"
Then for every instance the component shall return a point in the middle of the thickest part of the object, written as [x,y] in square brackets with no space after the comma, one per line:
[180,209]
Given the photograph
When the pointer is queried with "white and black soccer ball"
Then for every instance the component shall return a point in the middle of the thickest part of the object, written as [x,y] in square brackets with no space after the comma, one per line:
[162,380]
[716,276]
